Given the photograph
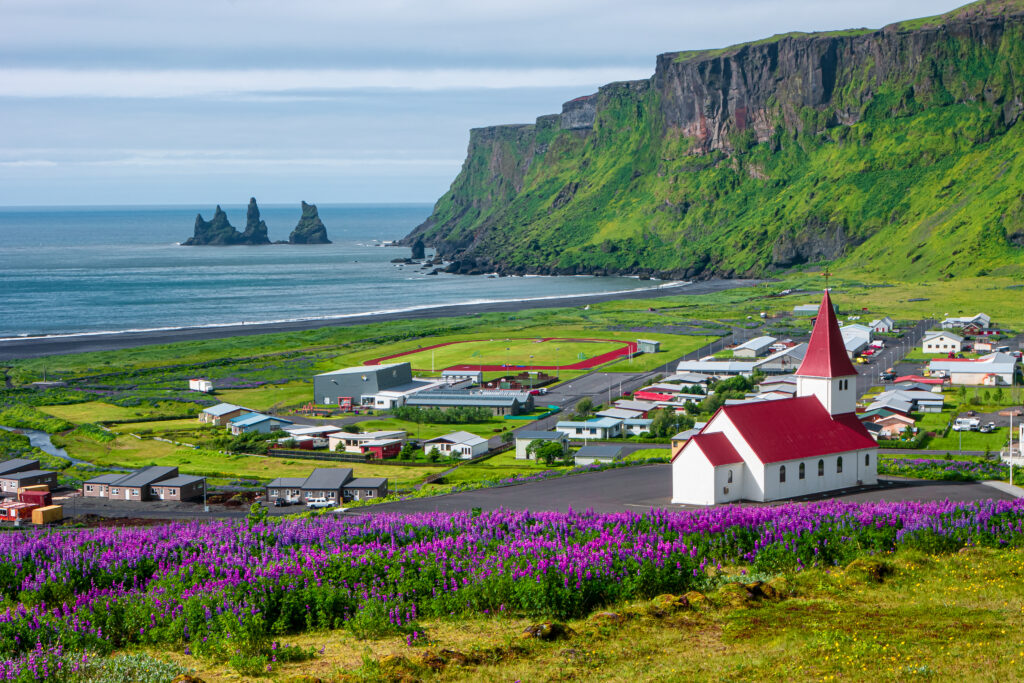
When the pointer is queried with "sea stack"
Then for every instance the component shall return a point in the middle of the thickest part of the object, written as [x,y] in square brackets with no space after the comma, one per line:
[220,232]
[418,251]
[310,229]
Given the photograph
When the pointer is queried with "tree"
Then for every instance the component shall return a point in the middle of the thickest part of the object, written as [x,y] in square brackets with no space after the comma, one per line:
[257,514]
[585,407]
[667,423]
[408,448]
[507,437]
[549,451]
[351,429]
[998,396]
[434,455]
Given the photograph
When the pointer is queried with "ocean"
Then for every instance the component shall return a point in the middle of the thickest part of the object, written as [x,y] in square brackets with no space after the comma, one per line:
[81,270]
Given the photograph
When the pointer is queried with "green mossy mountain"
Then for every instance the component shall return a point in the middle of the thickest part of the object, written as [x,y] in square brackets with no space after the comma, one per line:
[895,151]
[310,229]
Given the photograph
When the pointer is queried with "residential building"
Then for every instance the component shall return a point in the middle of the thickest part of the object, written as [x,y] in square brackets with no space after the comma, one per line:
[753,348]
[598,455]
[349,442]
[335,485]
[978,321]
[621,413]
[636,426]
[883,325]
[365,488]
[642,407]
[457,444]
[18,465]
[381,449]
[783,361]
[769,450]
[222,413]
[597,428]
[10,482]
[995,369]
[150,483]
[525,437]
[942,342]
[922,401]
[256,422]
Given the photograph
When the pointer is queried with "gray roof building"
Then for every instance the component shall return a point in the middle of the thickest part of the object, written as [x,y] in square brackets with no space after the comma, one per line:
[544,436]
[603,453]
[328,478]
[18,465]
[356,382]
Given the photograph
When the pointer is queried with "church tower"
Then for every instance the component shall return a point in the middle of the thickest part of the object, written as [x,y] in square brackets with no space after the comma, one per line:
[826,371]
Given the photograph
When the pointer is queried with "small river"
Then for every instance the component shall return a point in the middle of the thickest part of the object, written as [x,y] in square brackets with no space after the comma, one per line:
[41,440]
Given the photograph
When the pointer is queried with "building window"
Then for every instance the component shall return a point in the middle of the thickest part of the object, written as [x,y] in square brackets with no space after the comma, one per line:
[88,488]
[730,477]
[839,465]
[803,470]
[782,474]
[821,468]
[867,459]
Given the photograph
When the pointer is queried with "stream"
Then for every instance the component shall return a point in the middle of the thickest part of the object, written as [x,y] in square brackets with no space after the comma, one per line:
[41,440]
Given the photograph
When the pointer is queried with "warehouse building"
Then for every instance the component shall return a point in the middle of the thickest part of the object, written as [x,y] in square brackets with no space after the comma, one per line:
[498,402]
[374,386]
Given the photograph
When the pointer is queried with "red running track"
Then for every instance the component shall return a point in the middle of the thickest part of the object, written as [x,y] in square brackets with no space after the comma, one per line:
[589,363]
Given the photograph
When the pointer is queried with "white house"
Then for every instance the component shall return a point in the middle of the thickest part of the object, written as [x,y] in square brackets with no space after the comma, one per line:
[637,426]
[460,444]
[352,443]
[883,325]
[981,320]
[753,348]
[769,450]
[597,428]
[995,369]
[598,455]
[942,342]
[256,422]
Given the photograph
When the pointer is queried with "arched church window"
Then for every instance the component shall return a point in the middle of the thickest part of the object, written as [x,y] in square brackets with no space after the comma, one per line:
[803,470]
[839,465]
[782,474]
[821,468]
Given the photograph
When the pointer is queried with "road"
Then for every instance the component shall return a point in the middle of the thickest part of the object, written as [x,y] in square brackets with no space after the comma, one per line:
[642,488]
[890,357]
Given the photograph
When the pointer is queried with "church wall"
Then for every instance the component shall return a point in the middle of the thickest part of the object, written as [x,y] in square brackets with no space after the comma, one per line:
[726,492]
[693,477]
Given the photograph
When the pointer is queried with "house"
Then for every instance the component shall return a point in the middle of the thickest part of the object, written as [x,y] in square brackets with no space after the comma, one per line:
[942,342]
[458,444]
[315,436]
[598,455]
[364,488]
[753,348]
[854,345]
[203,385]
[769,450]
[680,439]
[995,369]
[222,413]
[893,405]
[352,442]
[256,422]
[717,367]
[893,426]
[18,465]
[690,379]
[182,487]
[498,402]
[141,484]
[805,310]
[621,413]
[918,379]
[783,361]
[981,321]
[925,401]
[655,396]
[883,325]
[10,482]
[336,485]
[858,330]
[596,428]
[636,426]
[648,346]
[525,437]
[381,449]
[642,407]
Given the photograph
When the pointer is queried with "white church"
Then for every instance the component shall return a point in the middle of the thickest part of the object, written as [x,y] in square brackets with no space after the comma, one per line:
[769,450]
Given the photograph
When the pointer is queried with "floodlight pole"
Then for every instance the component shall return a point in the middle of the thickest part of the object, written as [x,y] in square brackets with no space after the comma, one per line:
[206,508]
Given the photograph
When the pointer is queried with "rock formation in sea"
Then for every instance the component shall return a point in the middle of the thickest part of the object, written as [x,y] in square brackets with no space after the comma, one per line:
[418,250]
[220,232]
[310,229]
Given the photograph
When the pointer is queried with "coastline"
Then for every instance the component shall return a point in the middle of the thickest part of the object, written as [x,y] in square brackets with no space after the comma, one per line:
[38,347]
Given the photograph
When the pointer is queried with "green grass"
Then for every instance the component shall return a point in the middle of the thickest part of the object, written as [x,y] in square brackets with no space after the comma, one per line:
[126,451]
[508,350]
[501,466]
[270,395]
[972,441]
[98,411]
[645,453]
[939,618]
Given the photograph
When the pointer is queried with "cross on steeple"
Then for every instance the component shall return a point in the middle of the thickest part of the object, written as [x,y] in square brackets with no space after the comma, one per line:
[827,275]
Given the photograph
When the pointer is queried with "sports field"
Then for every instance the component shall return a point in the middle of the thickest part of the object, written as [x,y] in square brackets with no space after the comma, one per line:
[513,353]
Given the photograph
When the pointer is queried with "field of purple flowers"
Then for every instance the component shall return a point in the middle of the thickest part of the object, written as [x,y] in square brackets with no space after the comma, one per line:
[234,591]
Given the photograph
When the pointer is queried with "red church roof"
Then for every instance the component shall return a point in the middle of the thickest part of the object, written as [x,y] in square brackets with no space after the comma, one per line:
[794,428]
[826,352]
[717,448]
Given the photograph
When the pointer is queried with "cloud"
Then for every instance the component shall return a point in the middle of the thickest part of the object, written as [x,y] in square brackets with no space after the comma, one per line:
[175,83]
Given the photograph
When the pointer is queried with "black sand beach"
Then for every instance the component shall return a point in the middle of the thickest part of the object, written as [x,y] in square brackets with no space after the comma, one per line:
[36,347]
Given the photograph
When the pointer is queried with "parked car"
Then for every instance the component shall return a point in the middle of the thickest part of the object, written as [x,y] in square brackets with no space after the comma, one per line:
[887,376]
[314,503]
[280,502]
[988,428]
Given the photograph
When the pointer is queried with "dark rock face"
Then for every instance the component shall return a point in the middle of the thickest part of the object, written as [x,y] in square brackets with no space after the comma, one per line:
[819,240]
[418,250]
[220,232]
[310,229]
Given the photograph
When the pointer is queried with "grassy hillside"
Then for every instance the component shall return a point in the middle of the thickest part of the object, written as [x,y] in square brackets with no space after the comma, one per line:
[907,168]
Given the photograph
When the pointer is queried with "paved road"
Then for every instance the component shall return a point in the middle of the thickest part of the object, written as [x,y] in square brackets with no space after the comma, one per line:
[643,488]
[890,357]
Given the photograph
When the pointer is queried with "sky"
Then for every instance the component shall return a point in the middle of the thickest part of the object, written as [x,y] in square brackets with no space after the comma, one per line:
[106,102]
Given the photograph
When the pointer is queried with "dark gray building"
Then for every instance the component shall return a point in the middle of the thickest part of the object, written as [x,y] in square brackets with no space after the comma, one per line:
[336,485]
[12,481]
[498,402]
[18,465]
[366,487]
[154,482]
[358,385]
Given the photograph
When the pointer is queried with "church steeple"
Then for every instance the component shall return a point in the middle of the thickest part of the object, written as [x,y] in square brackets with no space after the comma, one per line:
[826,371]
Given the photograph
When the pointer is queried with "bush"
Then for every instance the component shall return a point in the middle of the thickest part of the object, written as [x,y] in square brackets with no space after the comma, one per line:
[472,415]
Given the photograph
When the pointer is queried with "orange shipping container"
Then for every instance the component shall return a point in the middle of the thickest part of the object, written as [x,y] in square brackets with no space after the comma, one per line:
[35,487]
[46,515]
[12,511]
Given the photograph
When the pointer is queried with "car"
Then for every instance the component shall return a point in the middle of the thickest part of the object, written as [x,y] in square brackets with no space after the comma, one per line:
[280,502]
[988,428]
[316,503]
[887,376]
